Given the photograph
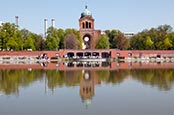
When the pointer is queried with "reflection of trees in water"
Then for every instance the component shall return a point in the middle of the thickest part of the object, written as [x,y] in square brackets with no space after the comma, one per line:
[10,80]
[63,78]
[163,79]
[114,76]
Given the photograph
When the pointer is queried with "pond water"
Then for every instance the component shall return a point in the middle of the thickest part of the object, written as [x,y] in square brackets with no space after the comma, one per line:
[87,92]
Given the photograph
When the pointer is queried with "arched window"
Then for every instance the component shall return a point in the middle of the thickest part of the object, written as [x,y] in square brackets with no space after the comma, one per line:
[89,24]
[83,24]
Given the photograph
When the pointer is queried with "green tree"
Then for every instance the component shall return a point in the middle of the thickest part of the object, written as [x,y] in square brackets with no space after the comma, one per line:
[171,36]
[61,34]
[29,44]
[156,41]
[36,40]
[167,44]
[10,37]
[52,39]
[11,44]
[103,42]
[148,43]
[112,34]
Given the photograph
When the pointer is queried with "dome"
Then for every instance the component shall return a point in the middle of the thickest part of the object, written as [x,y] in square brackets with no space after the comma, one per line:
[86,12]
[87,102]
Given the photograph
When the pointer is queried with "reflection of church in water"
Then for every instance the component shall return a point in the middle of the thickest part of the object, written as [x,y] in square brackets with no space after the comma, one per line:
[87,86]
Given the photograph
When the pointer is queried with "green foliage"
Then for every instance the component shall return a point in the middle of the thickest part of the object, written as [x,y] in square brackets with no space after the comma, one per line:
[31,40]
[11,44]
[38,41]
[171,37]
[60,39]
[103,42]
[52,39]
[10,37]
[112,34]
[160,38]
[28,43]
[148,43]
[167,44]
[117,39]
[61,34]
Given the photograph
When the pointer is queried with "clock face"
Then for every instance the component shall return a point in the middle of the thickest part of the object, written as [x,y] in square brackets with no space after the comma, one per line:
[86,39]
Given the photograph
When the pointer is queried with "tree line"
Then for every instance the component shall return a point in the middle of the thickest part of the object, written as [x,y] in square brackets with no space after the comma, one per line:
[160,38]
[11,38]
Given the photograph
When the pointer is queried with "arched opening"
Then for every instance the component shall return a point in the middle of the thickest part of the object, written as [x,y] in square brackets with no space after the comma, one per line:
[83,25]
[158,56]
[88,54]
[105,64]
[70,64]
[95,54]
[79,64]
[70,54]
[79,54]
[86,42]
[87,25]
[105,55]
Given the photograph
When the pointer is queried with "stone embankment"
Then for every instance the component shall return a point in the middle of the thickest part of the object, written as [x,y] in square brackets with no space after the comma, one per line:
[85,55]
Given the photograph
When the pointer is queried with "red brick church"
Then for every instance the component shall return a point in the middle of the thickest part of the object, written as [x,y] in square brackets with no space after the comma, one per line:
[89,34]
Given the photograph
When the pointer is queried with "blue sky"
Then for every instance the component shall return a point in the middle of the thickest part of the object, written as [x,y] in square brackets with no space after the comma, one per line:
[125,15]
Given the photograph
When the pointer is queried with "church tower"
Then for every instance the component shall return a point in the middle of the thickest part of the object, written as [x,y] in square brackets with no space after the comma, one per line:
[88,33]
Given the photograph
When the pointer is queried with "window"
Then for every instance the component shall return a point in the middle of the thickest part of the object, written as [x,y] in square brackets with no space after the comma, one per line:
[83,25]
[89,25]
[86,24]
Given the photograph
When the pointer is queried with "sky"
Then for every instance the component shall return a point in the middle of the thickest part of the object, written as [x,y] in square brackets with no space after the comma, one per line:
[124,15]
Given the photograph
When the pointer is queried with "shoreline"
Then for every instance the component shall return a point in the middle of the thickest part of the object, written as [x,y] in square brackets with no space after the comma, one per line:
[88,55]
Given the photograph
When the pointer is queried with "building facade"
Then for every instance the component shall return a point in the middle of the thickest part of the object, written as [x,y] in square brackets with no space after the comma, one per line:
[86,27]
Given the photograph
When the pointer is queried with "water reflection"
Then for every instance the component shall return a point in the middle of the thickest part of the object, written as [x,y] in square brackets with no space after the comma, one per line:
[86,65]
[162,78]
[85,83]
[12,80]
[87,86]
